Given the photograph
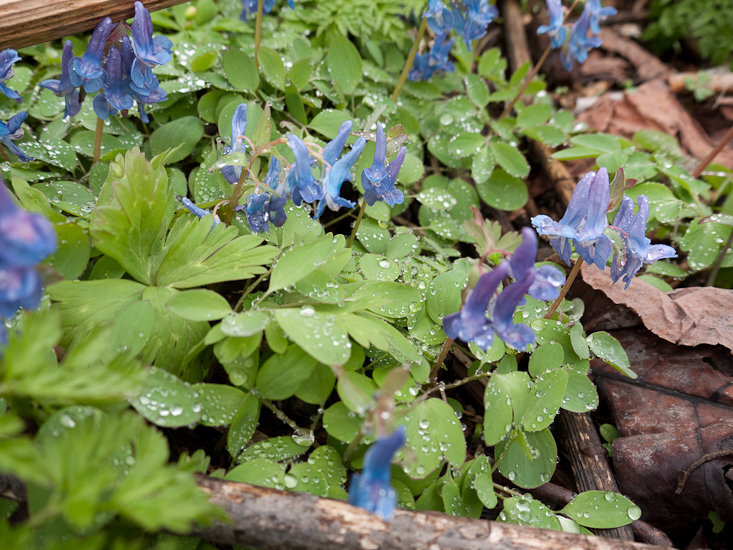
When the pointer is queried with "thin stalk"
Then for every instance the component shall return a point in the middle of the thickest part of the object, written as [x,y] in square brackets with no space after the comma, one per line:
[527,80]
[439,361]
[251,287]
[714,153]
[352,447]
[227,213]
[719,261]
[98,133]
[280,415]
[258,32]
[359,216]
[410,59]
[565,288]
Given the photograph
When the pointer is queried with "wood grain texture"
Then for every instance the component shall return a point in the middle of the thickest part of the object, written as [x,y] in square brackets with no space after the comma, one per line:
[28,22]
[268,519]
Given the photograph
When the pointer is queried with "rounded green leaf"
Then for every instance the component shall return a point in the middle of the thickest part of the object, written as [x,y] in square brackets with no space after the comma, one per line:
[611,351]
[167,401]
[184,132]
[244,324]
[199,305]
[544,400]
[602,510]
[72,256]
[510,159]
[219,403]
[546,357]
[580,394]
[380,268]
[444,295]
[281,375]
[503,191]
[317,333]
[341,423]
[524,510]
[259,471]
[344,64]
[524,471]
[272,67]
[243,425]
[275,448]
[240,70]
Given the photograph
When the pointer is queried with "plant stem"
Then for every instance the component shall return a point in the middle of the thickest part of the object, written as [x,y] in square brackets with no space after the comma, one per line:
[439,361]
[410,59]
[359,216]
[227,213]
[258,32]
[352,447]
[719,261]
[565,288]
[98,141]
[712,154]
[527,81]
[251,287]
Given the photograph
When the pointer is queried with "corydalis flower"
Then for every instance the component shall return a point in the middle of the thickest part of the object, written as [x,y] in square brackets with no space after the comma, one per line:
[598,14]
[238,143]
[555,30]
[7,59]
[20,287]
[436,60]
[198,211]
[142,95]
[584,222]
[114,96]
[580,43]
[372,489]
[638,248]
[249,8]
[26,238]
[12,131]
[379,179]
[440,18]
[300,181]
[473,24]
[63,86]
[547,279]
[87,70]
[149,51]
[262,207]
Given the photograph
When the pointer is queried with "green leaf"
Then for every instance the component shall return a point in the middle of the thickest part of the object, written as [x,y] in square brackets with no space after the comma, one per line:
[328,122]
[482,165]
[244,324]
[510,159]
[524,510]
[243,425]
[219,403]
[72,255]
[402,245]
[55,152]
[602,143]
[204,61]
[577,340]
[503,191]
[318,386]
[282,374]
[611,351]
[602,510]
[240,70]
[484,486]
[505,400]
[379,268]
[534,115]
[523,471]
[301,260]
[184,133]
[369,330]
[444,294]
[321,286]
[466,144]
[259,471]
[580,394]
[388,299]
[544,400]
[546,357]
[276,449]
[437,198]
[477,90]
[433,433]
[317,333]
[344,63]
[167,401]
[271,65]
[199,305]
[341,423]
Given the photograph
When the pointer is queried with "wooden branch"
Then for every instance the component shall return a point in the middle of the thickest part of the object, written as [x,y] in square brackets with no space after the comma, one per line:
[28,22]
[269,519]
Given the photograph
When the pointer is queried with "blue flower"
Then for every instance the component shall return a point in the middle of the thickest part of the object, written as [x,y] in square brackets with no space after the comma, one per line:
[555,30]
[142,95]
[20,287]
[149,51]
[249,8]
[258,215]
[598,14]
[63,87]
[584,222]
[238,144]
[12,131]
[638,248]
[339,171]
[26,238]
[517,335]
[440,18]
[474,23]
[198,211]
[262,207]
[372,489]
[379,179]
[437,60]
[471,323]
[300,181]
[87,70]
[115,96]
[547,279]
[7,59]
[580,43]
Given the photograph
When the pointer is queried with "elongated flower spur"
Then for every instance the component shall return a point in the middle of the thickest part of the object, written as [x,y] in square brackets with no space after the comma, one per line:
[372,489]
[13,131]
[379,179]
[63,86]
[7,59]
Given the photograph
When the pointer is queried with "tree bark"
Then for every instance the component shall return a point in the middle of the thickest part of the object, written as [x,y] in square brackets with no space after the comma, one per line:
[28,22]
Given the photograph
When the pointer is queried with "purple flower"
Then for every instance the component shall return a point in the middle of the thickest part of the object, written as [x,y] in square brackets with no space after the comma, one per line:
[473,24]
[638,248]
[198,211]
[339,171]
[249,8]
[372,489]
[262,207]
[555,30]
[142,95]
[379,179]
[20,287]
[300,181]
[87,70]
[12,131]
[440,18]
[149,51]
[547,279]
[437,60]
[471,323]
[7,59]
[63,87]
[598,14]
[584,222]
[26,238]
[115,96]
[238,144]
[580,43]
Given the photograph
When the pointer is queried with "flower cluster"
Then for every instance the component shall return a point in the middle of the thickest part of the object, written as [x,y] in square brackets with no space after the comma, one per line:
[487,311]
[25,239]
[8,58]
[580,41]
[249,8]
[585,223]
[372,489]
[266,204]
[11,131]
[118,65]
[469,18]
